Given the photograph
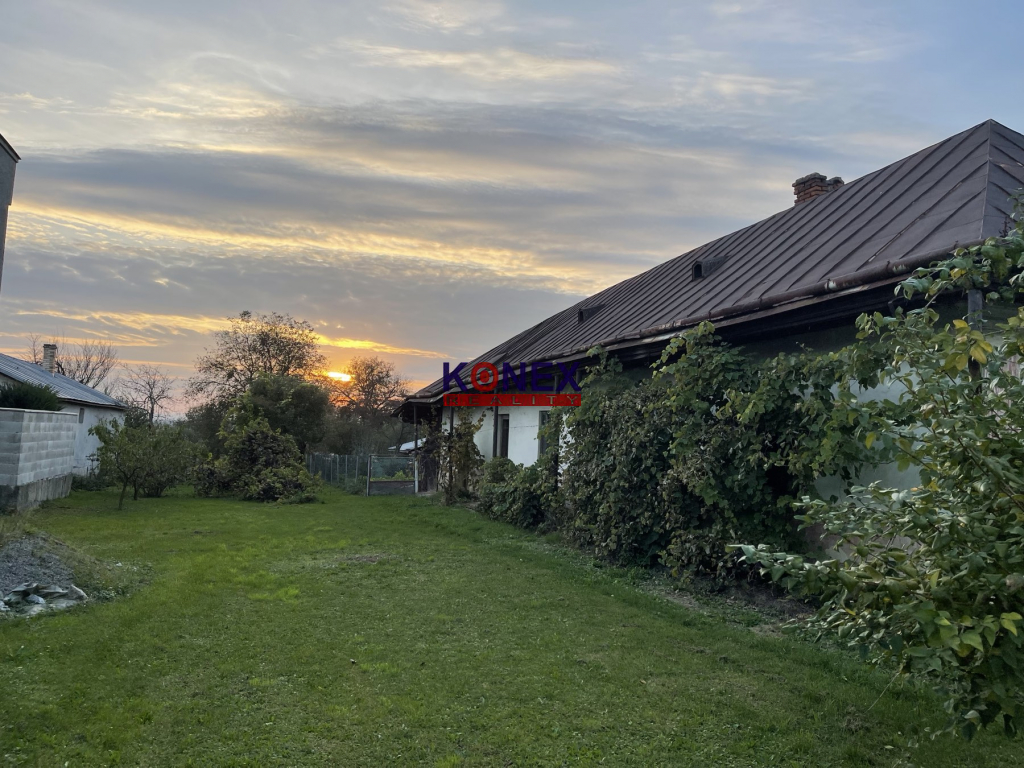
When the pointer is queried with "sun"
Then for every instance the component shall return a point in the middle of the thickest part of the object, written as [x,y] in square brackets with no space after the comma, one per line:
[339,376]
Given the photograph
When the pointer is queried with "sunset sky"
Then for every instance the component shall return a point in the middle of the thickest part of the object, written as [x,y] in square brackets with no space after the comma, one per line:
[421,180]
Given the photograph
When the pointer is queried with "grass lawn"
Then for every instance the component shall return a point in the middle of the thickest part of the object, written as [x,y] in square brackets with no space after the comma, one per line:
[390,631]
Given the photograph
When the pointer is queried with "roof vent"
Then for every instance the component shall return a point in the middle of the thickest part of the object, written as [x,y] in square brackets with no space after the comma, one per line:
[585,313]
[704,267]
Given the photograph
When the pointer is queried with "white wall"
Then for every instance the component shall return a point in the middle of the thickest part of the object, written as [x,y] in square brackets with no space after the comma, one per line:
[524,423]
[86,444]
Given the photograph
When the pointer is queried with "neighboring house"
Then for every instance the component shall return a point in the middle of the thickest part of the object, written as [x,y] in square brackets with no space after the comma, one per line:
[90,405]
[801,275]
[8,159]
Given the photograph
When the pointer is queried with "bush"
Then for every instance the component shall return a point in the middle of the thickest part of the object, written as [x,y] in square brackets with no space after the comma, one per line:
[670,470]
[259,464]
[615,463]
[458,459]
[932,578]
[208,479]
[29,396]
[500,471]
[518,500]
[93,480]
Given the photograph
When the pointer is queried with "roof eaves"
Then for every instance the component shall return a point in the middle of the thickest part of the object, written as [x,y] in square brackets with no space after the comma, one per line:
[9,149]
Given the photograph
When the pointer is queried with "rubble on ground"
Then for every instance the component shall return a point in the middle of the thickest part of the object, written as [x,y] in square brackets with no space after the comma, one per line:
[32,598]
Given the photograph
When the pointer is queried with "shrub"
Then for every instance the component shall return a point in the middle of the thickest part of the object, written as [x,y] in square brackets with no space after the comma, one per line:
[672,469]
[517,500]
[259,464]
[458,459]
[932,578]
[208,479]
[29,396]
[500,471]
[614,465]
[93,480]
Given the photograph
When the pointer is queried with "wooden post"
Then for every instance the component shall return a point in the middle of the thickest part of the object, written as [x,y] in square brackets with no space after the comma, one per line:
[494,436]
[975,303]
[451,464]
[368,460]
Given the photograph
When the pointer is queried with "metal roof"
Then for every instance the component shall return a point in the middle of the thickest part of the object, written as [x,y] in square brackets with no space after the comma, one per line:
[66,389]
[952,194]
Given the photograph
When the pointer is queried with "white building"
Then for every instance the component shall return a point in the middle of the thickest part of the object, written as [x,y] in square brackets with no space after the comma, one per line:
[90,405]
[802,275]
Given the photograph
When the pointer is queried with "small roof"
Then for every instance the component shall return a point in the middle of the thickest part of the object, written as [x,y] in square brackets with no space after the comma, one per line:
[908,214]
[67,389]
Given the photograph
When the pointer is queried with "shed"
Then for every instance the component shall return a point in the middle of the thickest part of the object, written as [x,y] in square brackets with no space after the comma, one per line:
[91,405]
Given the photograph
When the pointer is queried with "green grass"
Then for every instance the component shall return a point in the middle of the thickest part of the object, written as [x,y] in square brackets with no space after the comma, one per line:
[390,631]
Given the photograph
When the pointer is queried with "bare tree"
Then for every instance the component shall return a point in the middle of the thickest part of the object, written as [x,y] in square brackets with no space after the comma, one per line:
[88,362]
[374,389]
[146,387]
[273,344]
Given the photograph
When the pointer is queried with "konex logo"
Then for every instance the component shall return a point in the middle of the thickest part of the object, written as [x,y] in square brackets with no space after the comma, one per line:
[541,383]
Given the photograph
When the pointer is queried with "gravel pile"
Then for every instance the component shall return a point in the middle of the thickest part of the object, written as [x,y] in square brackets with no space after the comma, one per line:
[28,560]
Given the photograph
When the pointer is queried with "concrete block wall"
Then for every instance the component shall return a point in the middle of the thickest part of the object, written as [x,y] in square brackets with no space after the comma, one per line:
[37,456]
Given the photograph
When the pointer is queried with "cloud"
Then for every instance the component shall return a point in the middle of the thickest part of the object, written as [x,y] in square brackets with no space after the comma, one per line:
[365,345]
[448,15]
[424,178]
[498,64]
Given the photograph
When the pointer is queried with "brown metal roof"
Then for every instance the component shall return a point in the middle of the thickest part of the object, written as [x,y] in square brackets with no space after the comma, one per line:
[952,194]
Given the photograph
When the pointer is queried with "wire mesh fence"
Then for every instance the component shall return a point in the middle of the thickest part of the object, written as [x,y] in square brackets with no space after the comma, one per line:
[342,470]
[391,475]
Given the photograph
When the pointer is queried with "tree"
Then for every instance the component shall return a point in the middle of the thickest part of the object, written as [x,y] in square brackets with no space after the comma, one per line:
[365,403]
[145,387]
[374,390]
[172,456]
[88,362]
[144,458]
[203,424]
[296,407]
[256,344]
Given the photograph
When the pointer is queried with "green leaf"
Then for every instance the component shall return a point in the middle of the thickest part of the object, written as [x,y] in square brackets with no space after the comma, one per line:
[973,639]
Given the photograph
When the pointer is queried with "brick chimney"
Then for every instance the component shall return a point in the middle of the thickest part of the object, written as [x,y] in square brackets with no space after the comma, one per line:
[814,184]
[49,357]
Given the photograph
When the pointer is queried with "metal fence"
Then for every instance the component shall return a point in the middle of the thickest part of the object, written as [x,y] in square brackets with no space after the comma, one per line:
[337,468]
[391,475]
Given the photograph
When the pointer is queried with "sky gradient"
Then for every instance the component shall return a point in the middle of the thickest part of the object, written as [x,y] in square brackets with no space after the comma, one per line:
[422,180]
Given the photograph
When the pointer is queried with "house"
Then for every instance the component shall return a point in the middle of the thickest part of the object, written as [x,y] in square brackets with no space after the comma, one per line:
[8,159]
[800,276]
[90,405]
